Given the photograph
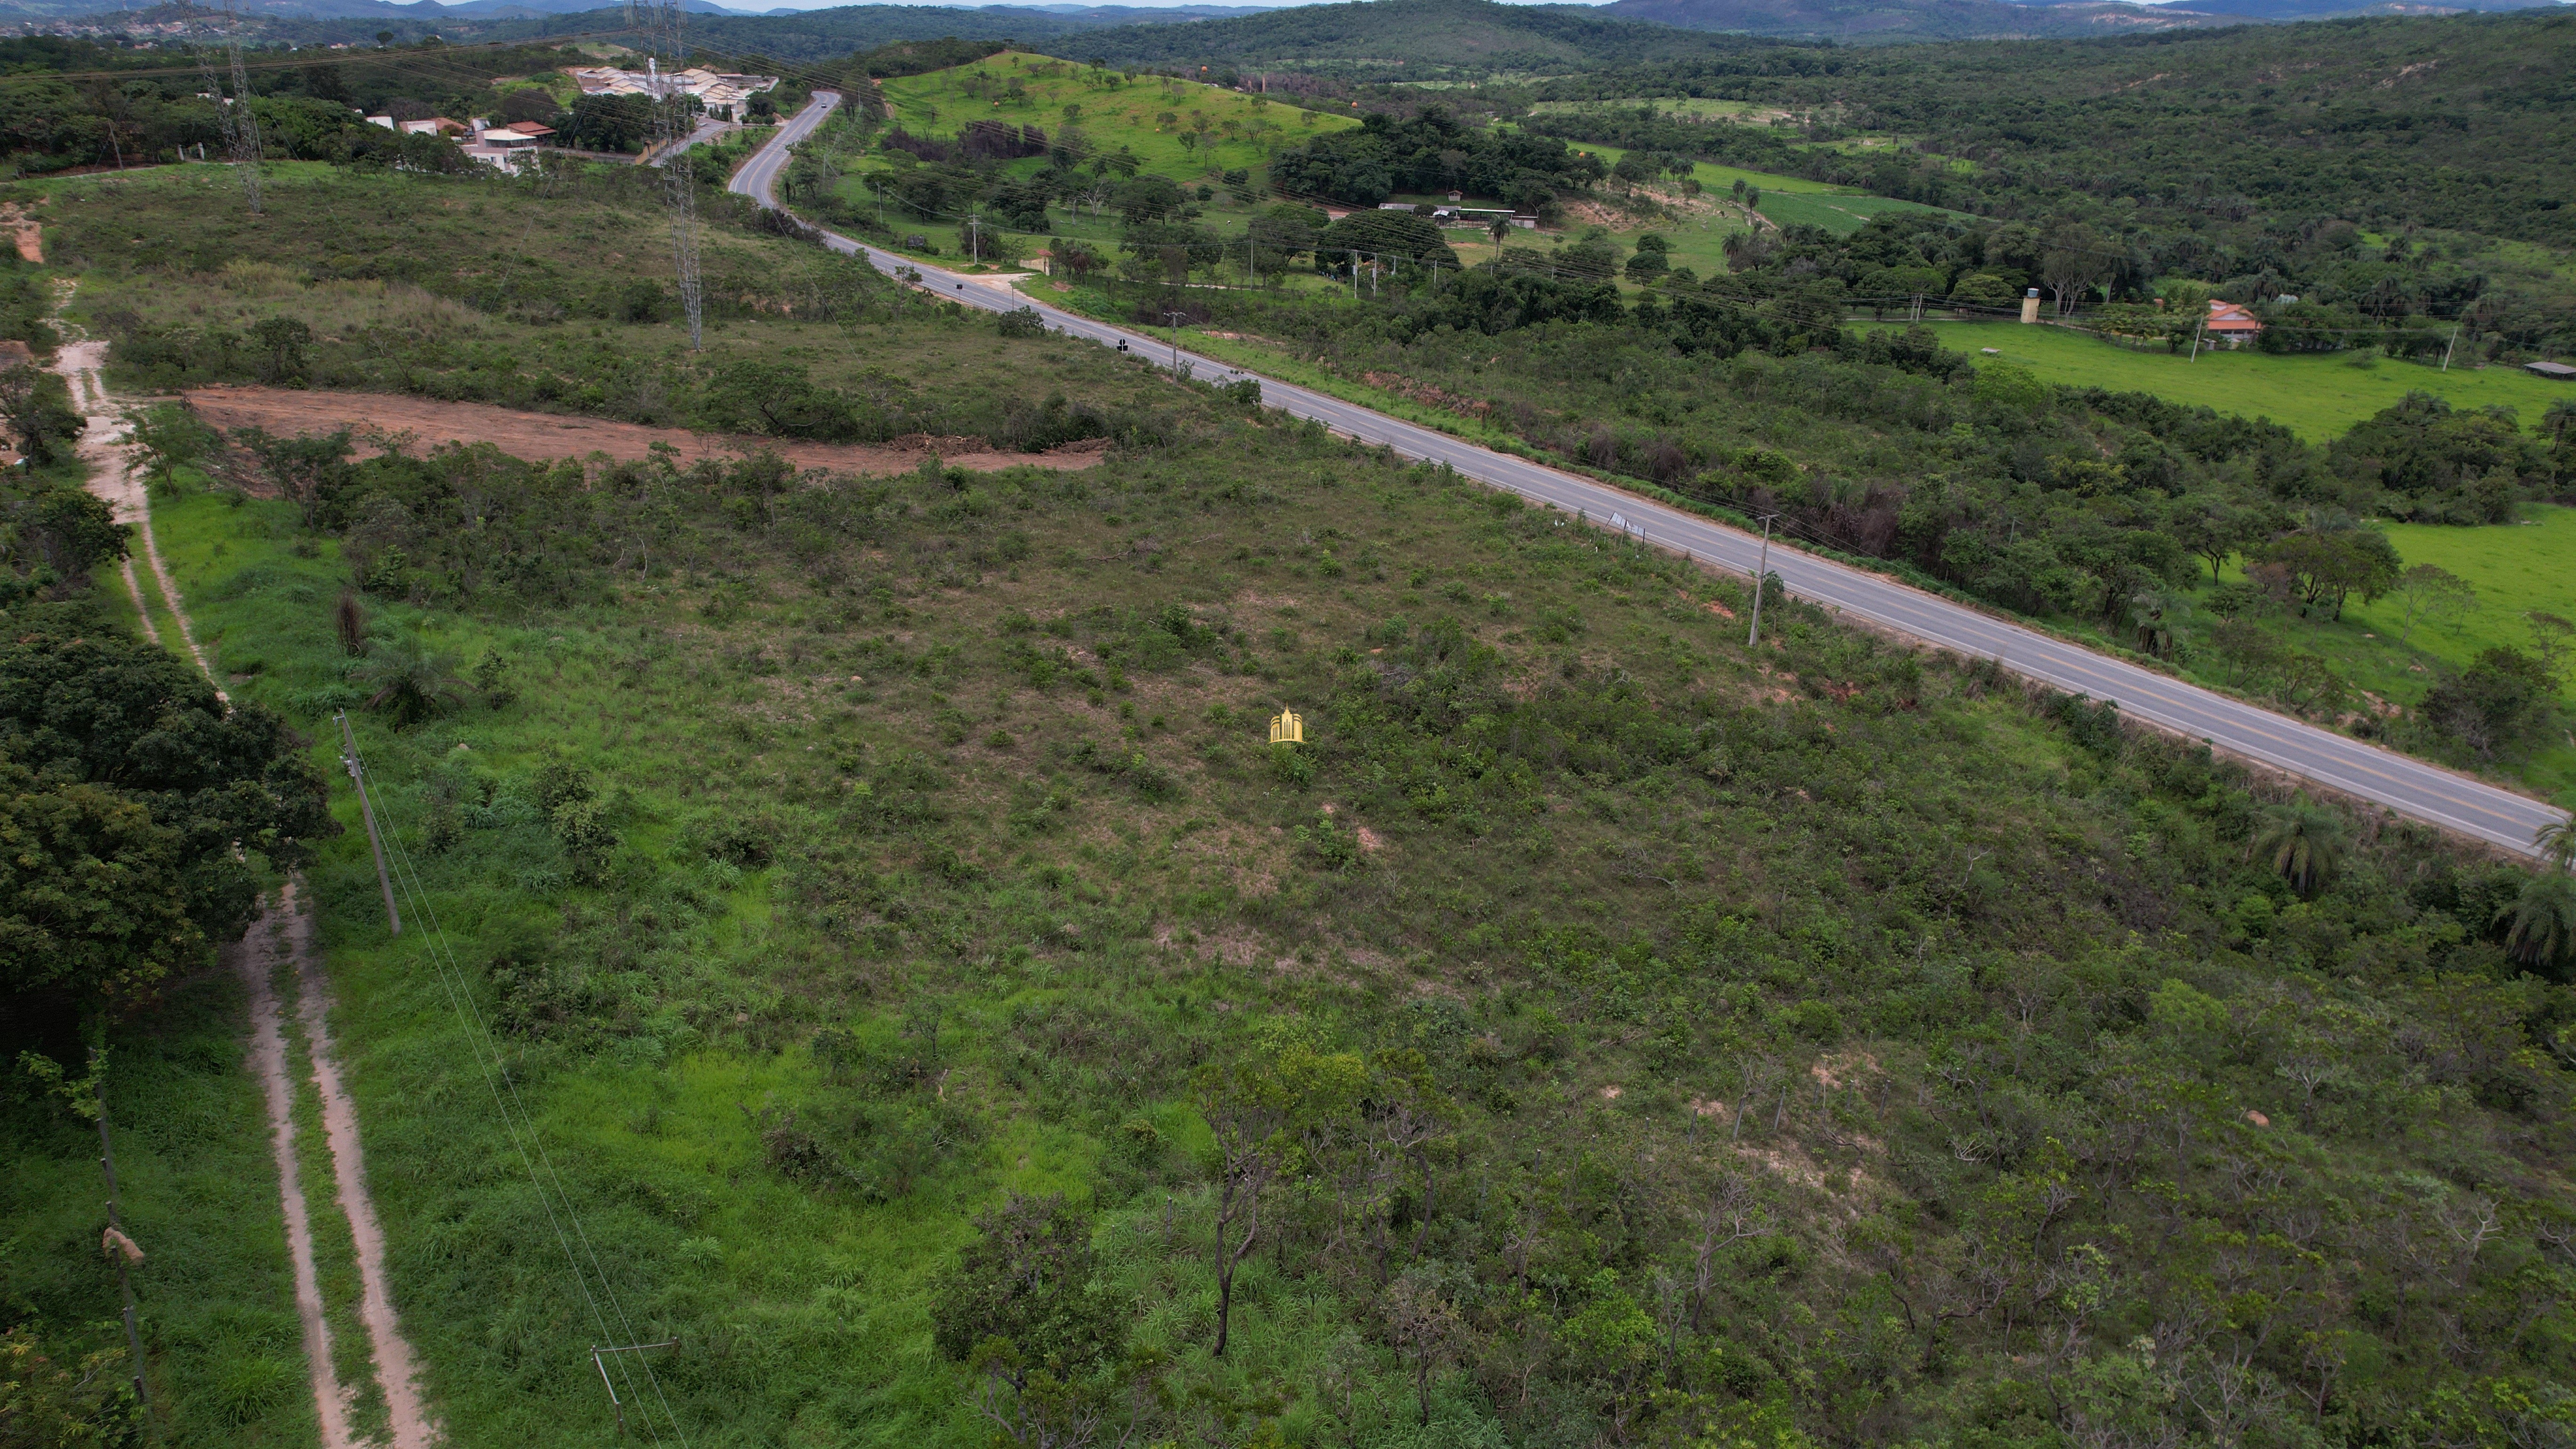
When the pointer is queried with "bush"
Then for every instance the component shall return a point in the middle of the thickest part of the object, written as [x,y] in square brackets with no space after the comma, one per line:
[2494,705]
[1021,322]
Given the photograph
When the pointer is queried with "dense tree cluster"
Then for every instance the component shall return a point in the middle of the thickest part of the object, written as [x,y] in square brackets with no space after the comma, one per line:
[1432,152]
[138,810]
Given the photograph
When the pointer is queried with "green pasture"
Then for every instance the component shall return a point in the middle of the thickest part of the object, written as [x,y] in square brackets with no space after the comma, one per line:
[2516,569]
[1839,212]
[1694,106]
[1241,129]
[1787,200]
[2316,396]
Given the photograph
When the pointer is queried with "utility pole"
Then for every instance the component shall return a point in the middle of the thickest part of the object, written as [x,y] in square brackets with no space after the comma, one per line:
[1173,318]
[2446,347]
[599,1361]
[2195,342]
[367,813]
[1761,580]
[117,1241]
[975,237]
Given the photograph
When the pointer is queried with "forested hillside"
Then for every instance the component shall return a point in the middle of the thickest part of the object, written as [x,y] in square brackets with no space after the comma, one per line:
[1868,21]
[1428,39]
[2461,123]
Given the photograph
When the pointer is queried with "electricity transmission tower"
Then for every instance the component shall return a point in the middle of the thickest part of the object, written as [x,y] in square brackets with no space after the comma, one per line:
[241,128]
[671,128]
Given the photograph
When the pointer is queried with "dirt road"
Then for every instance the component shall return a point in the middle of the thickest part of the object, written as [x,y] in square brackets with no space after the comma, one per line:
[409,1421]
[257,957]
[285,932]
[428,422]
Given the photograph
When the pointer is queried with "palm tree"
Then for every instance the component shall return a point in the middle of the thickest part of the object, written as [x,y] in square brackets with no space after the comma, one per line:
[408,682]
[2556,842]
[2304,842]
[2544,921]
[2560,420]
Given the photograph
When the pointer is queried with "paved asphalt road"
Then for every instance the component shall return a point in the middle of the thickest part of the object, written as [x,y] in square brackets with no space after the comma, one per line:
[2410,787]
[709,130]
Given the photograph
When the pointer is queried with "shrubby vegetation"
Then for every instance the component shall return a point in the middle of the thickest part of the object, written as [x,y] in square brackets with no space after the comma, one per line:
[1597,1031]
[954,1018]
[2104,509]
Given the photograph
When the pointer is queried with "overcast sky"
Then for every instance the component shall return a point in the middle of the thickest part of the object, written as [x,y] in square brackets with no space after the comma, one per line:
[757,6]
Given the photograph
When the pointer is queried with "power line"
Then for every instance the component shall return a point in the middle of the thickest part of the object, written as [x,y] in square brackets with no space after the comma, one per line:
[520,1126]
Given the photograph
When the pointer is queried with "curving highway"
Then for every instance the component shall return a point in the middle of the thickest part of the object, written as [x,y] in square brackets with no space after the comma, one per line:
[2408,786]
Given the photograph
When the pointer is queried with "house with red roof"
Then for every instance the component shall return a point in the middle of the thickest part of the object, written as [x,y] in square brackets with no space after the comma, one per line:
[2230,325]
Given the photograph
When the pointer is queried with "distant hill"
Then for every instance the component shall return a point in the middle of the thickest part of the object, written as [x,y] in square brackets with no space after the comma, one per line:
[1428,38]
[1884,20]
[787,34]
[812,35]
[1870,20]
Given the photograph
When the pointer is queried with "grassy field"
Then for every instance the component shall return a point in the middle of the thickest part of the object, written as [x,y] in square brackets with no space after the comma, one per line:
[1067,964]
[836,856]
[2317,397]
[2515,569]
[198,1193]
[1130,116]
[2531,565]
[1241,131]
[805,1307]
[1786,200]
[1669,106]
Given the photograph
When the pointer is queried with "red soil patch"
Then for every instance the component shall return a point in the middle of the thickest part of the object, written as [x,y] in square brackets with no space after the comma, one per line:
[382,419]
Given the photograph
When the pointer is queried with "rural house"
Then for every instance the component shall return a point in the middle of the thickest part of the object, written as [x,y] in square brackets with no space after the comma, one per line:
[2230,325]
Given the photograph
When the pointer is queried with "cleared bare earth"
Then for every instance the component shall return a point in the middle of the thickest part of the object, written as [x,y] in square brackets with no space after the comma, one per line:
[379,420]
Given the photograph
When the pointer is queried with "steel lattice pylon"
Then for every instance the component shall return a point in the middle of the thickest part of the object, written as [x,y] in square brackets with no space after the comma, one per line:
[241,128]
[671,130]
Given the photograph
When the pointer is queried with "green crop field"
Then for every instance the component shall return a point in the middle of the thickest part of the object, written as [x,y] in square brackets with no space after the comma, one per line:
[2318,397]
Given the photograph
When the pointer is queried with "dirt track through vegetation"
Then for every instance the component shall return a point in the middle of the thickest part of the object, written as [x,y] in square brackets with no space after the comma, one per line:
[378,418]
[113,477]
[285,929]
[257,957]
[393,1356]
